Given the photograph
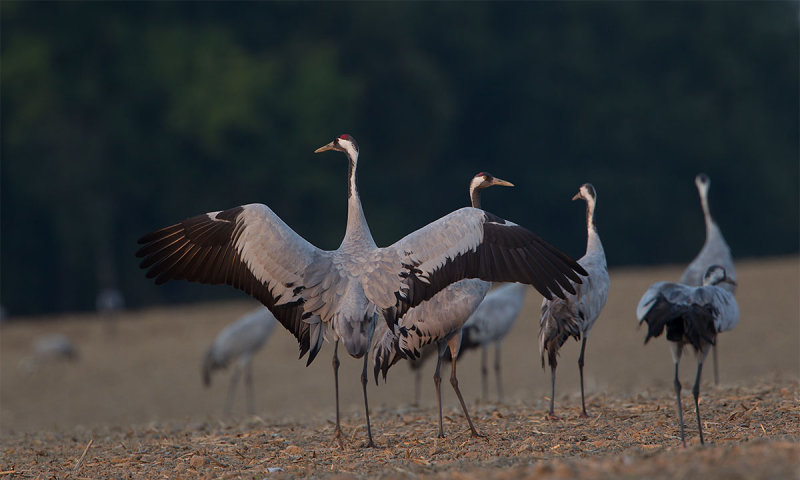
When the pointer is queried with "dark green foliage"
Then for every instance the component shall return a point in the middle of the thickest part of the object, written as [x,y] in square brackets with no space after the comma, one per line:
[122,117]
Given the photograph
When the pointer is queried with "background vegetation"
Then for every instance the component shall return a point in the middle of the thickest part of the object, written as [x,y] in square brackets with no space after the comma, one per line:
[122,117]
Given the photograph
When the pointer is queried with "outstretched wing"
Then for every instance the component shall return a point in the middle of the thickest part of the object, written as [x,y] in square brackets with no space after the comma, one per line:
[472,243]
[247,247]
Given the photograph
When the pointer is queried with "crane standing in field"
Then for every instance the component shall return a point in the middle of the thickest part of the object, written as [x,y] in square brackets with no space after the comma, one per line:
[575,315]
[437,320]
[239,342]
[490,323]
[714,252]
[347,290]
[692,316]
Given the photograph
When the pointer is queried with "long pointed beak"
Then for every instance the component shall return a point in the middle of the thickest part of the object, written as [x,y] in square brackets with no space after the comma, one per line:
[501,182]
[577,196]
[731,281]
[327,147]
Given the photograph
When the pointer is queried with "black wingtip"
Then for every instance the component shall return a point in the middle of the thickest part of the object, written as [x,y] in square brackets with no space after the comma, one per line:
[312,353]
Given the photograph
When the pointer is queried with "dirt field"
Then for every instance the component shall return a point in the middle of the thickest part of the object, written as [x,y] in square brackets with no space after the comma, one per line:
[135,399]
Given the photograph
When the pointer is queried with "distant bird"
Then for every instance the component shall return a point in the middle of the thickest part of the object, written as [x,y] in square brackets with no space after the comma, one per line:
[575,315]
[693,316]
[109,302]
[54,346]
[48,348]
[309,290]
[437,320]
[714,252]
[238,342]
[490,323]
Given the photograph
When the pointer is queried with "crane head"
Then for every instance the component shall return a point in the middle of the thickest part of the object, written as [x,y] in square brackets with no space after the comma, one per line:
[586,192]
[486,180]
[716,275]
[703,182]
[343,143]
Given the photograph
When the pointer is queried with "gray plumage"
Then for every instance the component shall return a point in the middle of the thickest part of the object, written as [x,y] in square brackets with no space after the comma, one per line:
[109,300]
[48,348]
[109,303]
[575,315]
[715,251]
[54,346]
[346,290]
[691,316]
[437,320]
[434,321]
[238,343]
[490,323]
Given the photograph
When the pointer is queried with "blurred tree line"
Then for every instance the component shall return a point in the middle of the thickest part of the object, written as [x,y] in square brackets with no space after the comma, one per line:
[122,117]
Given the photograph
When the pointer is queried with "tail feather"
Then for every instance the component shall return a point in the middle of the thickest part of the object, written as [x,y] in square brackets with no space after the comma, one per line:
[698,326]
[557,325]
[386,353]
[660,314]
[693,324]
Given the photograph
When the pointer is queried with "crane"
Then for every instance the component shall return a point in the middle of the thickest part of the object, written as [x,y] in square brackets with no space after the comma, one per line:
[575,315]
[109,303]
[490,323]
[692,316]
[437,320]
[715,251]
[310,290]
[238,343]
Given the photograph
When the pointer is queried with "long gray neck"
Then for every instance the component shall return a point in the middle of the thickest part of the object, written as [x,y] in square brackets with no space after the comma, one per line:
[706,212]
[357,231]
[593,243]
[475,197]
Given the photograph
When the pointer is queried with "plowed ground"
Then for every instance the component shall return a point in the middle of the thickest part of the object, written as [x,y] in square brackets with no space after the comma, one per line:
[132,404]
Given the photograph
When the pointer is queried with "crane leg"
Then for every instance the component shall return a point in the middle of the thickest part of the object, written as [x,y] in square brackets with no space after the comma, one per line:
[248,383]
[696,393]
[454,344]
[716,368]
[580,368]
[437,382]
[364,381]
[237,371]
[484,374]
[680,410]
[337,434]
[551,415]
[497,373]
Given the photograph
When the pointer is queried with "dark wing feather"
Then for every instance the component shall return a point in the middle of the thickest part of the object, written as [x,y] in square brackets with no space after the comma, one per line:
[559,322]
[472,243]
[248,248]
